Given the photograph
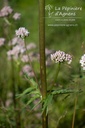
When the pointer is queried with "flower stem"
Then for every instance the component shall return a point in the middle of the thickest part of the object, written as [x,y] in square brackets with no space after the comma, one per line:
[74,113]
[5,2]
[56,75]
[42,58]
[55,79]
[31,63]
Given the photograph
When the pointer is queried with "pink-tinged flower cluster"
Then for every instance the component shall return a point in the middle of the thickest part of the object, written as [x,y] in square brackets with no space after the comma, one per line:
[60,56]
[16,16]
[24,58]
[82,61]
[18,50]
[31,46]
[48,52]
[5,11]
[2,41]
[68,58]
[28,70]
[22,32]
[16,41]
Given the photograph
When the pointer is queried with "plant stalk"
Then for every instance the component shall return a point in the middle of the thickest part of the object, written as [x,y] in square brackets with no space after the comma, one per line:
[74,113]
[57,72]
[31,63]
[42,58]
[55,79]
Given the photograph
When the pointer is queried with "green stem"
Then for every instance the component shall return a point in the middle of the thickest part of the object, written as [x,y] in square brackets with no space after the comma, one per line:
[56,75]
[13,87]
[74,113]
[55,79]
[5,2]
[42,58]
[30,62]
[18,113]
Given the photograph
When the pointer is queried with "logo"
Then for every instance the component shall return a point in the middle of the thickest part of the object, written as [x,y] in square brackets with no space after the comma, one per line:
[49,8]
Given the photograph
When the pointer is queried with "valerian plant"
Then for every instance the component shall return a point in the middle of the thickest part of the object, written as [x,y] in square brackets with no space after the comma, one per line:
[19,53]
[34,92]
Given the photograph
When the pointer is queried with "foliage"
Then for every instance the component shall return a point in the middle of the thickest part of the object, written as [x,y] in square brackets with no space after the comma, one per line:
[20,96]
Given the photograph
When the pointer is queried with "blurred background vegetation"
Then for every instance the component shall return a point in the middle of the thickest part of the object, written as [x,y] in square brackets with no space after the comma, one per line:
[68,39]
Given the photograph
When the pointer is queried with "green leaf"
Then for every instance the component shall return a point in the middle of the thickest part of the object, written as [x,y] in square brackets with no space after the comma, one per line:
[28,90]
[7,21]
[75,76]
[34,92]
[37,104]
[32,99]
[31,81]
[64,91]
[46,102]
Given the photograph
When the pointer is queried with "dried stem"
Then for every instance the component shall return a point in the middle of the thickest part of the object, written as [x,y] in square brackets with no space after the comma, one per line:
[42,58]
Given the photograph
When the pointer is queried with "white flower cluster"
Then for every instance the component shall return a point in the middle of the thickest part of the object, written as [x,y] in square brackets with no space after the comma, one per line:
[2,40]
[22,32]
[60,56]
[82,62]
[5,11]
